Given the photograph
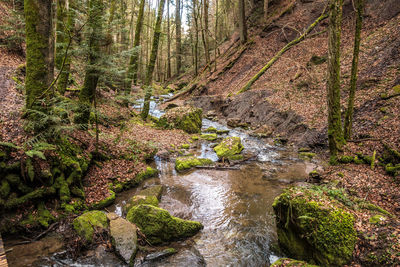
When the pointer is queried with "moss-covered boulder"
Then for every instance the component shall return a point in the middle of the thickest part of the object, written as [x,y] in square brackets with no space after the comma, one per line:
[185,118]
[149,196]
[209,136]
[312,227]
[285,262]
[104,202]
[185,163]
[160,226]
[229,147]
[86,224]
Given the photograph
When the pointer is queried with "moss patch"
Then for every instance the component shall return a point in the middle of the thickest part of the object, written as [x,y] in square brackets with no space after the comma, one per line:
[310,227]
[185,118]
[291,262]
[185,163]
[87,222]
[229,147]
[209,137]
[159,226]
[105,202]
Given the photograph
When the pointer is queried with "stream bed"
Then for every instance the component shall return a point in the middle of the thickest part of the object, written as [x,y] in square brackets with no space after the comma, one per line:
[233,204]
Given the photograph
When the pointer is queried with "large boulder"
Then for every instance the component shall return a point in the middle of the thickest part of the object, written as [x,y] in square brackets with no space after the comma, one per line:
[150,196]
[185,118]
[124,237]
[160,226]
[313,227]
[86,224]
[229,148]
[184,163]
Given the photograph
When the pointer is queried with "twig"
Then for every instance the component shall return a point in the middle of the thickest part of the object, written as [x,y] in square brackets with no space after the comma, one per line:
[363,140]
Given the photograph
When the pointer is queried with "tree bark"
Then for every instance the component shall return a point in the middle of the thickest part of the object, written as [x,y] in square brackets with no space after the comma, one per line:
[216,35]
[205,32]
[242,22]
[335,132]
[152,61]
[134,59]
[178,37]
[169,74]
[348,121]
[266,2]
[39,50]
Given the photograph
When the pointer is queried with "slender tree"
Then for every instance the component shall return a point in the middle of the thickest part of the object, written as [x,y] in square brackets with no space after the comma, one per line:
[242,22]
[94,39]
[204,32]
[335,132]
[178,49]
[153,58]
[168,43]
[348,121]
[266,3]
[39,50]
[134,59]
[216,35]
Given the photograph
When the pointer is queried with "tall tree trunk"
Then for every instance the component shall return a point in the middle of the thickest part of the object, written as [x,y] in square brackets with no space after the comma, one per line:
[168,43]
[348,121]
[65,27]
[266,2]
[95,37]
[335,132]
[153,57]
[242,22]
[196,39]
[216,35]
[134,59]
[178,37]
[39,50]
[205,31]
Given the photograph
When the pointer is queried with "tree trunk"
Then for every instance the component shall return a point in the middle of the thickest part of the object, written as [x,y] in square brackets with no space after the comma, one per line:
[153,57]
[348,121]
[196,39]
[95,29]
[168,43]
[178,37]
[39,50]
[205,31]
[266,2]
[242,22]
[335,132]
[216,35]
[134,59]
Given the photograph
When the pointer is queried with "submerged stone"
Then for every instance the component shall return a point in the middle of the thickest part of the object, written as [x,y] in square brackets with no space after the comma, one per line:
[311,229]
[149,196]
[229,147]
[185,118]
[184,163]
[86,223]
[160,226]
[124,237]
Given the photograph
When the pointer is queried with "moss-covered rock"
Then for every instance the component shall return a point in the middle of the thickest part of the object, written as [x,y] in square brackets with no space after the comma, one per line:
[306,155]
[211,130]
[105,202]
[209,137]
[149,196]
[311,229]
[185,163]
[86,223]
[229,147]
[285,262]
[185,118]
[160,226]
[222,131]
[140,177]
[4,189]
[185,146]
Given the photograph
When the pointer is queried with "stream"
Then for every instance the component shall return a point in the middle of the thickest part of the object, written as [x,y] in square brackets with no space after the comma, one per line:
[233,204]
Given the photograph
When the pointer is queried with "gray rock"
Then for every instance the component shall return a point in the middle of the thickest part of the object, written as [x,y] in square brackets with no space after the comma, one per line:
[124,237]
[160,254]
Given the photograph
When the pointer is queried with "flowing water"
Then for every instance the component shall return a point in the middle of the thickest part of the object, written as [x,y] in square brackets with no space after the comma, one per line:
[234,205]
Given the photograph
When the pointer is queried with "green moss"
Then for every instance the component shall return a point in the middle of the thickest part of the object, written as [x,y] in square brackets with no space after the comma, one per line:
[346,159]
[211,130]
[222,131]
[78,192]
[236,157]
[317,60]
[185,146]
[13,179]
[291,263]
[159,226]
[209,137]
[155,190]
[4,189]
[377,219]
[117,188]
[34,195]
[87,222]
[138,200]
[105,202]
[44,216]
[185,163]
[229,147]
[306,155]
[188,119]
[311,230]
[195,137]
[392,170]
[372,207]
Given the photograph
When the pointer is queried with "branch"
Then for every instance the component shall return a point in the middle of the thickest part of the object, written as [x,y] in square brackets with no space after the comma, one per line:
[391,96]
[281,52]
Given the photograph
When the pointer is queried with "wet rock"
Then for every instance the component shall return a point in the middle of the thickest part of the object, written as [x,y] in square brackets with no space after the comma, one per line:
[160,226]
[236,122]
[185,118]
[86,224]
[264,131]
[124,237]
[160,254]
[310,229]
[291,262]
[185,163]
[229,148]
[211,114]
